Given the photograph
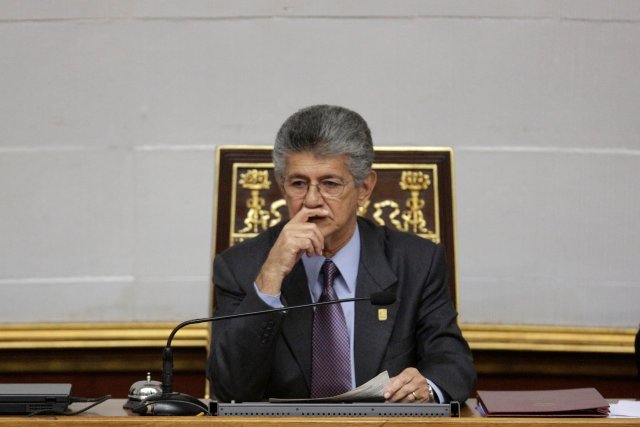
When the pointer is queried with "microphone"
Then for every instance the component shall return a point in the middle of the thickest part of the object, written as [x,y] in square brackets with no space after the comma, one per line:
[170,403]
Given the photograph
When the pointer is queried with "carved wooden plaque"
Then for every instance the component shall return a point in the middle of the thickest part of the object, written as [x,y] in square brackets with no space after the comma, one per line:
[414,193]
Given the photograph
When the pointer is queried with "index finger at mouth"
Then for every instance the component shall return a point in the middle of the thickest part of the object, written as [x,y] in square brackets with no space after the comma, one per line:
[305,214]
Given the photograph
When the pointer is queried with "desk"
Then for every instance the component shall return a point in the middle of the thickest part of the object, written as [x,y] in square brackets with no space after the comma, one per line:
[110,413]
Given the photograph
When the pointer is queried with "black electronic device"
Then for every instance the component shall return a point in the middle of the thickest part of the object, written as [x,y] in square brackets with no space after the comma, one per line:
[23,399]
[169,402]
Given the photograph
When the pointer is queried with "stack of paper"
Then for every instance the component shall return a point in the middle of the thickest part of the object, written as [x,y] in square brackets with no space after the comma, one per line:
[371,391]
[625,408]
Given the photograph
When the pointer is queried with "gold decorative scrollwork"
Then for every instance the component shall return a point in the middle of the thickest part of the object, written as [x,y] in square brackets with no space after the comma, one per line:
[414,181]
[379,211]
[275,211]
[418,214]
[257,218]
[362,210]
[413,218]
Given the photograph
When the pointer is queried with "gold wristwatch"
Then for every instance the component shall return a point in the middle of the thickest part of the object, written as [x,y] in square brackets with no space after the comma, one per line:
[432,397]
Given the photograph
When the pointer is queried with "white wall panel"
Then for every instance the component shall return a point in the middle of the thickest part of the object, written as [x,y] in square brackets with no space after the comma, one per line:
[111,112]
[546,237]
[173,211]
[103,299]
[65,214]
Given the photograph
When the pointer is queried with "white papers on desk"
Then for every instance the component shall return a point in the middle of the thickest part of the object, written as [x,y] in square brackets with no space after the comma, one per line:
[625,409]
[371,391]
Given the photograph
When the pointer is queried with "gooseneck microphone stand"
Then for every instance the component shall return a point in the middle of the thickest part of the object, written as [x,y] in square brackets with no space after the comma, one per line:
[171,403]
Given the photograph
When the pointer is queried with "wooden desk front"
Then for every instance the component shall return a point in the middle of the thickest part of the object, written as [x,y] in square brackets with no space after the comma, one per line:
[110,413]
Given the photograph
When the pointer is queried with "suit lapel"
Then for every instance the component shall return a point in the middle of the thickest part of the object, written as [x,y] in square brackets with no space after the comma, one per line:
[296,329]
[371,333]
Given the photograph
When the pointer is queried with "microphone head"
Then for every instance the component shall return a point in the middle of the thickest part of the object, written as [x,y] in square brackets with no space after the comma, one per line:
[383,298]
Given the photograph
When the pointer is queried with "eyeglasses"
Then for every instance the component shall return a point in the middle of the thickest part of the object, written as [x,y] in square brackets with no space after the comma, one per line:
[328,188]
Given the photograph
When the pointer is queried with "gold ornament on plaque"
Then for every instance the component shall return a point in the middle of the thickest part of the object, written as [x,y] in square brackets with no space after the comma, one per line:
[261,214]
[257,218]
[412,219]
[414,182]
[275,211]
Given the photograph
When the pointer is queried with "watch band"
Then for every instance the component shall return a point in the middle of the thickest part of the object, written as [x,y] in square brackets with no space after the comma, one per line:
[432,397]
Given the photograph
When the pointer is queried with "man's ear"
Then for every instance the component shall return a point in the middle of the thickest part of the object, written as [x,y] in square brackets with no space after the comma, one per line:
[365,190]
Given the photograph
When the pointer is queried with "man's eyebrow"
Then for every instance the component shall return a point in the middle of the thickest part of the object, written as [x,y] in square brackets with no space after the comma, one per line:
[320,178]
[296,175]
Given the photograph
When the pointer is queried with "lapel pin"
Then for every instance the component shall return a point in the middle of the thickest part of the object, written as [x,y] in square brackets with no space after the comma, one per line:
[382,314]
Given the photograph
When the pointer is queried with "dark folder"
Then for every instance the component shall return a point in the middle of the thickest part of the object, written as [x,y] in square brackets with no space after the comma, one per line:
[578,402]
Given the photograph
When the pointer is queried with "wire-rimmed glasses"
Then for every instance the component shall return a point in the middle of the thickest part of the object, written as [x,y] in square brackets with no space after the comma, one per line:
[330,188]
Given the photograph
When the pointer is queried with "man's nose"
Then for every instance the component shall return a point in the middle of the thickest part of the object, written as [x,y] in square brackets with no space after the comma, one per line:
[313,198]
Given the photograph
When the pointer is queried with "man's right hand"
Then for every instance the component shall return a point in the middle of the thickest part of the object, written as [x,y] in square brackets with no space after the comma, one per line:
[298,237]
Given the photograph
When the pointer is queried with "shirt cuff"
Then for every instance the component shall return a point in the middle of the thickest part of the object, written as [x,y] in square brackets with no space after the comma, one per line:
[437,391]
[271,300]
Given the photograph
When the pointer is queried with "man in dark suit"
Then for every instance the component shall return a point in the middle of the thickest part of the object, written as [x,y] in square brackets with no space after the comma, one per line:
[322,162]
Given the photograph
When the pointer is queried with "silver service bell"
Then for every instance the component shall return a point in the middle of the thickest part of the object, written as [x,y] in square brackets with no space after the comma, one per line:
[141,390]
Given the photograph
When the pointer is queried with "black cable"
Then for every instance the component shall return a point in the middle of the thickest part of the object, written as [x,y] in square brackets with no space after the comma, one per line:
[73,399]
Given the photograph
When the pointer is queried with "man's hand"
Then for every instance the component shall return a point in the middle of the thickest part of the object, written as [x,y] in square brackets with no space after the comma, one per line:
[298,237]
[409,387]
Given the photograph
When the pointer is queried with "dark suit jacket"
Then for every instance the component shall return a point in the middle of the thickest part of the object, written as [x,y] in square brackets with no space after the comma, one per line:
[259,357]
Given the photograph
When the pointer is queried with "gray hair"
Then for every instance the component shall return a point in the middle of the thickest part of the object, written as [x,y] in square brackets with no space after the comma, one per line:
[326,130]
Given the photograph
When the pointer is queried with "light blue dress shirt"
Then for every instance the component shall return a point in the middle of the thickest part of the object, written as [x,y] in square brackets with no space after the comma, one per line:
[347,260]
